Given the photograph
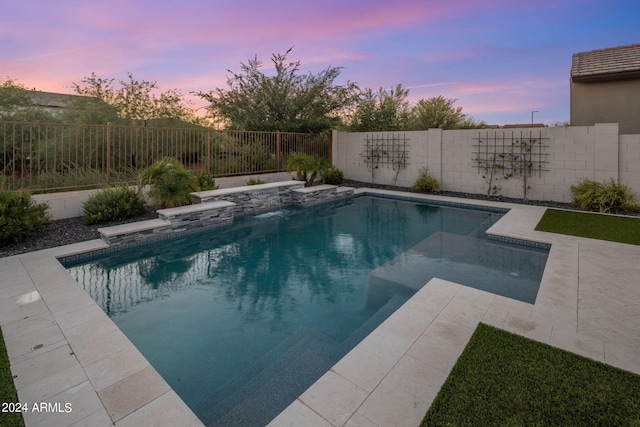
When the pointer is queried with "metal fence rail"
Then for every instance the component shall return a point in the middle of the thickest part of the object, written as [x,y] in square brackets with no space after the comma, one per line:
[51,156]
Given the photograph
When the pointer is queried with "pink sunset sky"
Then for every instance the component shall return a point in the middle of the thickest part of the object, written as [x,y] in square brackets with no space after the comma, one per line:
[501,59]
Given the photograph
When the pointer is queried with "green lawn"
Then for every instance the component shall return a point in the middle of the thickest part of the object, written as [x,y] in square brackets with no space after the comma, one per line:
[502,379]
[7,390]
[595,226]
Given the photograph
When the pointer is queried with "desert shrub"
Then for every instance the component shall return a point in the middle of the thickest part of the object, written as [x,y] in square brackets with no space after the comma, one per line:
[20,216]
[112,204]
[255,181]
[602,197]
[333,176]
[425,183]
[585,193]
[616,196]
[307,167]
[204,181]
[170,183]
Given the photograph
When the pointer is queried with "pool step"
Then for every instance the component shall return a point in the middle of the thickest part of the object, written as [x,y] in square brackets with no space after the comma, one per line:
[477,263]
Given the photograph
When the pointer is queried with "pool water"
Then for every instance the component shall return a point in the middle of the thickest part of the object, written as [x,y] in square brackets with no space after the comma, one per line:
[241,320]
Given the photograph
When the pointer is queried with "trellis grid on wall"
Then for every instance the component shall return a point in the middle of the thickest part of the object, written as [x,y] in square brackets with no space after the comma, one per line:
[512,153]
[386,150]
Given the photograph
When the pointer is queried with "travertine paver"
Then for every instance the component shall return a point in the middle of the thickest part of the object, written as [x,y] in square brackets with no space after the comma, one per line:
[133,392]
[64,349]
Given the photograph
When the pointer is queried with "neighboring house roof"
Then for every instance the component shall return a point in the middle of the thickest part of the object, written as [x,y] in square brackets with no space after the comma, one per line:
[524,125]
[614,63]
[50,99]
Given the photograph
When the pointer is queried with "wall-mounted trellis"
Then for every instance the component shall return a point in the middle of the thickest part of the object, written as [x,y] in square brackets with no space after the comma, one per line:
[510,154]
[386,151]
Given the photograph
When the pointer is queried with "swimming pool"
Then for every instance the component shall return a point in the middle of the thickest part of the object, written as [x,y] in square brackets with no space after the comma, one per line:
[240,321]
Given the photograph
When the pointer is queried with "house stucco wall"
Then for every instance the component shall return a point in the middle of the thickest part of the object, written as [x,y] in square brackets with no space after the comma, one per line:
[607,101]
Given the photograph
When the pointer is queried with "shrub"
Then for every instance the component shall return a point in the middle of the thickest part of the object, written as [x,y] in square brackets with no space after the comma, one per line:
[307,167]
[20,216]
[170,183]
[605,197]
[112,204]
[333,176]
[255,181]
[425,183]
[585,193]
[204,181]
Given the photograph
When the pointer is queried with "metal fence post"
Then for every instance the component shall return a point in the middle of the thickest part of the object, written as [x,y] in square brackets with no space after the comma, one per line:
[108,166]
[330,150]
[208,150]
[278,161]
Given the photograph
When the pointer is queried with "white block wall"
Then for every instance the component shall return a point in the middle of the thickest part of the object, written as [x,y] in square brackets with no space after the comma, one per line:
[594,152]
[64,205]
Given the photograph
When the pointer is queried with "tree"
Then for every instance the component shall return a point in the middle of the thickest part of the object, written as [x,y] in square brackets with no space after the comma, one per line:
[381,111]
[134,102]
[287,101]
[439,112]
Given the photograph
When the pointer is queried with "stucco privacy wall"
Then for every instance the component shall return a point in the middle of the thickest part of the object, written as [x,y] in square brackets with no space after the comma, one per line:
[595,152]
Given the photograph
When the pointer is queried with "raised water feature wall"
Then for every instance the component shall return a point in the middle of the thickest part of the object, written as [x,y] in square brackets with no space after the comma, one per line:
[217,208]
[251,198]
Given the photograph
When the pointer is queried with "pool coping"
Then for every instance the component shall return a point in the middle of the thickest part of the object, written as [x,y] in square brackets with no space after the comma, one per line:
[63,348]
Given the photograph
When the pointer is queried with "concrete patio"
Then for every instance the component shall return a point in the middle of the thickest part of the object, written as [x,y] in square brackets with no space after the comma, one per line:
[63,348]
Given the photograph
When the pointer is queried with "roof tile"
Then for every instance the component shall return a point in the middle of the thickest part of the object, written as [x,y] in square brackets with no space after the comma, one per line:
[606,63]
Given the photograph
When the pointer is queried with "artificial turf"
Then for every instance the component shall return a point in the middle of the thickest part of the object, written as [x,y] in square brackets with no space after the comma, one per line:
[502,379]
[7,391]
[621,229]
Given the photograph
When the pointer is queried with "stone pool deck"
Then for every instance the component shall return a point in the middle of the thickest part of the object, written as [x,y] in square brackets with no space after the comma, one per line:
[64,349]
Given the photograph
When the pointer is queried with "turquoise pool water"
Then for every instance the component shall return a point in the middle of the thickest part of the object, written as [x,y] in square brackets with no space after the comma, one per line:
[241,320]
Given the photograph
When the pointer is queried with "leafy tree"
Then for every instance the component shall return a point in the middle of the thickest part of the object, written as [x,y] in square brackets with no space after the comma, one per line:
[470,123]
[134,102]
[381,111]
[439,112]
[16,104]
[287,101]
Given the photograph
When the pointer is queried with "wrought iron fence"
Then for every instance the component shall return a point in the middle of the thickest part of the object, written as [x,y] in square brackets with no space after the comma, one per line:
[51,156]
